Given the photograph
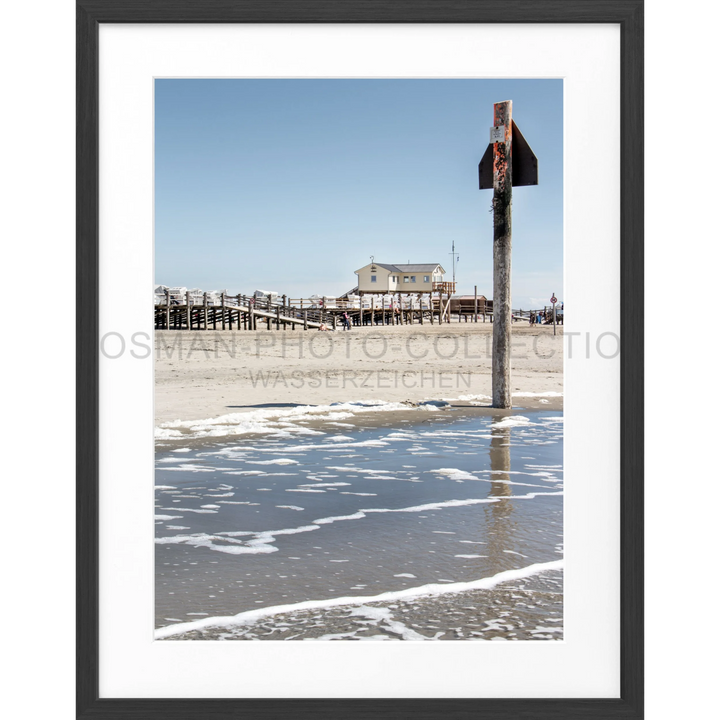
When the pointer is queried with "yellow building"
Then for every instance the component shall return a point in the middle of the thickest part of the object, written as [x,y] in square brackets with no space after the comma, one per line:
[413,278]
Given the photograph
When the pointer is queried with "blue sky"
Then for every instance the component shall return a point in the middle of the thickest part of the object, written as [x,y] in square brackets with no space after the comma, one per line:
[291,185]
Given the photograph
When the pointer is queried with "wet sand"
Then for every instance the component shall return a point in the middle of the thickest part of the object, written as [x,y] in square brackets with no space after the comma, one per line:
[529,609]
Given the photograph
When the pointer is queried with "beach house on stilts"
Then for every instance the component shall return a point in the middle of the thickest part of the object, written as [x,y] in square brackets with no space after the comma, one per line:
[384,278]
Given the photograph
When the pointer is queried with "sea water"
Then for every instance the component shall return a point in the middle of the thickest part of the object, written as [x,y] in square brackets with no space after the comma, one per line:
[445,524]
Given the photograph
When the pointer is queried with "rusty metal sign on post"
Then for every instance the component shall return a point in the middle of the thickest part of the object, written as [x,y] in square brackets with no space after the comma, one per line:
[508,162]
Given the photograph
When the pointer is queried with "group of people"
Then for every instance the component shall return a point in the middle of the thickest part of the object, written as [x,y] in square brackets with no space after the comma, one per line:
[543,317]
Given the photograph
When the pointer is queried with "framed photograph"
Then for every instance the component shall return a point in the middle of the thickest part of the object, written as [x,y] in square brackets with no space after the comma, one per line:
[359,429]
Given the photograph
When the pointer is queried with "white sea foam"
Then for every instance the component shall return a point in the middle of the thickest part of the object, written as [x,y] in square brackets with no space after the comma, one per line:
[331,484]
[337,518]
[244,472]
[188,467]
[263,421]
[454,474]
[253,543]
[251,616]
[290,507]
[168,517]
[512,421]
[468,398]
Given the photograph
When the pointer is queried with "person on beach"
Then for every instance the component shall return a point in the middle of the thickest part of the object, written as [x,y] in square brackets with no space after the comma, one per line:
[346,321]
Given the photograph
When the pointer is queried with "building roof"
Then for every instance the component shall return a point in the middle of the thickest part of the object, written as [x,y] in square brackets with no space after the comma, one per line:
[421,267]
[416,267]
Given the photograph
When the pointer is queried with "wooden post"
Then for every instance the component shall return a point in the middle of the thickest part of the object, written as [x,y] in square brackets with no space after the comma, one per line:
[502,251]
[476,304]
[372,313]
[360,319]
[277,317]
[205,311]
[251,314]
[305,319]
[167,309]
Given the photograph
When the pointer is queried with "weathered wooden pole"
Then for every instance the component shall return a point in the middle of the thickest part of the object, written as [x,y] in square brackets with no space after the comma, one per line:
[508,161]
[502,251]
[167,309]
[476,305]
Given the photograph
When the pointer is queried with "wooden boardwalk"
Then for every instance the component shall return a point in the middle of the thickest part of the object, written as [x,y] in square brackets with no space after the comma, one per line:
[243,312]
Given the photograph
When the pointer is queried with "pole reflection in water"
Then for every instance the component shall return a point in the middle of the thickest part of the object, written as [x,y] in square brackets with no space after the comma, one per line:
[498,515]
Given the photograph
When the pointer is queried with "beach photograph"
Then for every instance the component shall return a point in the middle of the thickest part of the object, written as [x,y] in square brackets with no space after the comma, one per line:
[358,359]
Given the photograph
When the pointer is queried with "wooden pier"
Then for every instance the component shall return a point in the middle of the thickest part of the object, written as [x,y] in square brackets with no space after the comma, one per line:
[243,312]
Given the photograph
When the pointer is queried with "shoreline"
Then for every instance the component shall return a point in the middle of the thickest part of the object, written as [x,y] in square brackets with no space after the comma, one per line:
[428,591]
[201,375]
[302,420]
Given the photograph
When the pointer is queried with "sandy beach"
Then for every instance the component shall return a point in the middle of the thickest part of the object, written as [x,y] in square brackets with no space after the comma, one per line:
[208,374]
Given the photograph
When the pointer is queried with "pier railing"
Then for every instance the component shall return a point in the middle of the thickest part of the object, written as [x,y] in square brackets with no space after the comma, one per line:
[221,311]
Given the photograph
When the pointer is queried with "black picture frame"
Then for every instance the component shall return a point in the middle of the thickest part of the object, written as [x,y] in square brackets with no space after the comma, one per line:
[628,14]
